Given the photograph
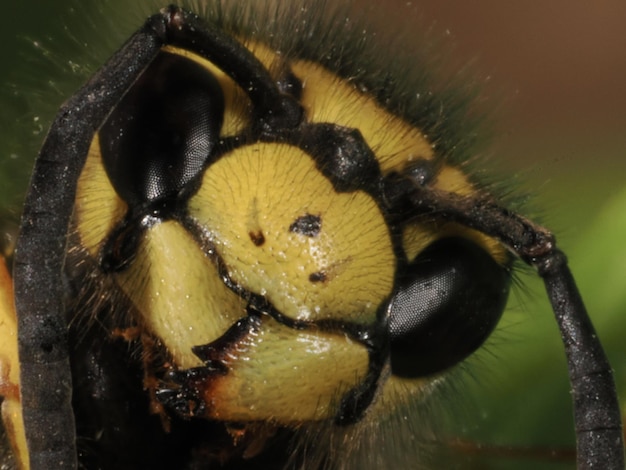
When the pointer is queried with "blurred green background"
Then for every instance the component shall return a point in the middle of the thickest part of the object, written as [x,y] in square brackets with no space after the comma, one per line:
[554,75]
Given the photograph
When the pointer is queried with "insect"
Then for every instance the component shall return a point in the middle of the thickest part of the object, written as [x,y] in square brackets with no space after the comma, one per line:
[231,224]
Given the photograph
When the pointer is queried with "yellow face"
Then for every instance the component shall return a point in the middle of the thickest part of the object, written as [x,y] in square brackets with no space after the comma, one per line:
[269,271]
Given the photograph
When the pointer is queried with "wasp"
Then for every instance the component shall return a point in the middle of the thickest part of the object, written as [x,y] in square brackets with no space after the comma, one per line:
[245,247]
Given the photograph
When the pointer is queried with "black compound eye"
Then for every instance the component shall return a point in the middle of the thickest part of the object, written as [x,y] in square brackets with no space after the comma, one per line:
[162,132]
[446,306]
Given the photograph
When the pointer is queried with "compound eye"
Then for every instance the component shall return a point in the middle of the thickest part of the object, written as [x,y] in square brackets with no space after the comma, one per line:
[448,303]
[162,132]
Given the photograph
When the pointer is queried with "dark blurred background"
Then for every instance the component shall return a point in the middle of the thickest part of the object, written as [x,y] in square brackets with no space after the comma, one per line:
[553,76]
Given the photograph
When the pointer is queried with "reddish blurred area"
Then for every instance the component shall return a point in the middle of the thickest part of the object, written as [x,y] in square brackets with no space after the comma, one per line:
[558,66]
[566,60]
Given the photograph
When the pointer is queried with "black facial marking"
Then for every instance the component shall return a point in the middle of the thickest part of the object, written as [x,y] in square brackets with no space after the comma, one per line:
[308,225]
[257,237]
[318,276]
[343,156]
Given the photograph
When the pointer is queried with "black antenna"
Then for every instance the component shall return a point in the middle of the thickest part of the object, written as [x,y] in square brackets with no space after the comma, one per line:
[599,438]
[45,381]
